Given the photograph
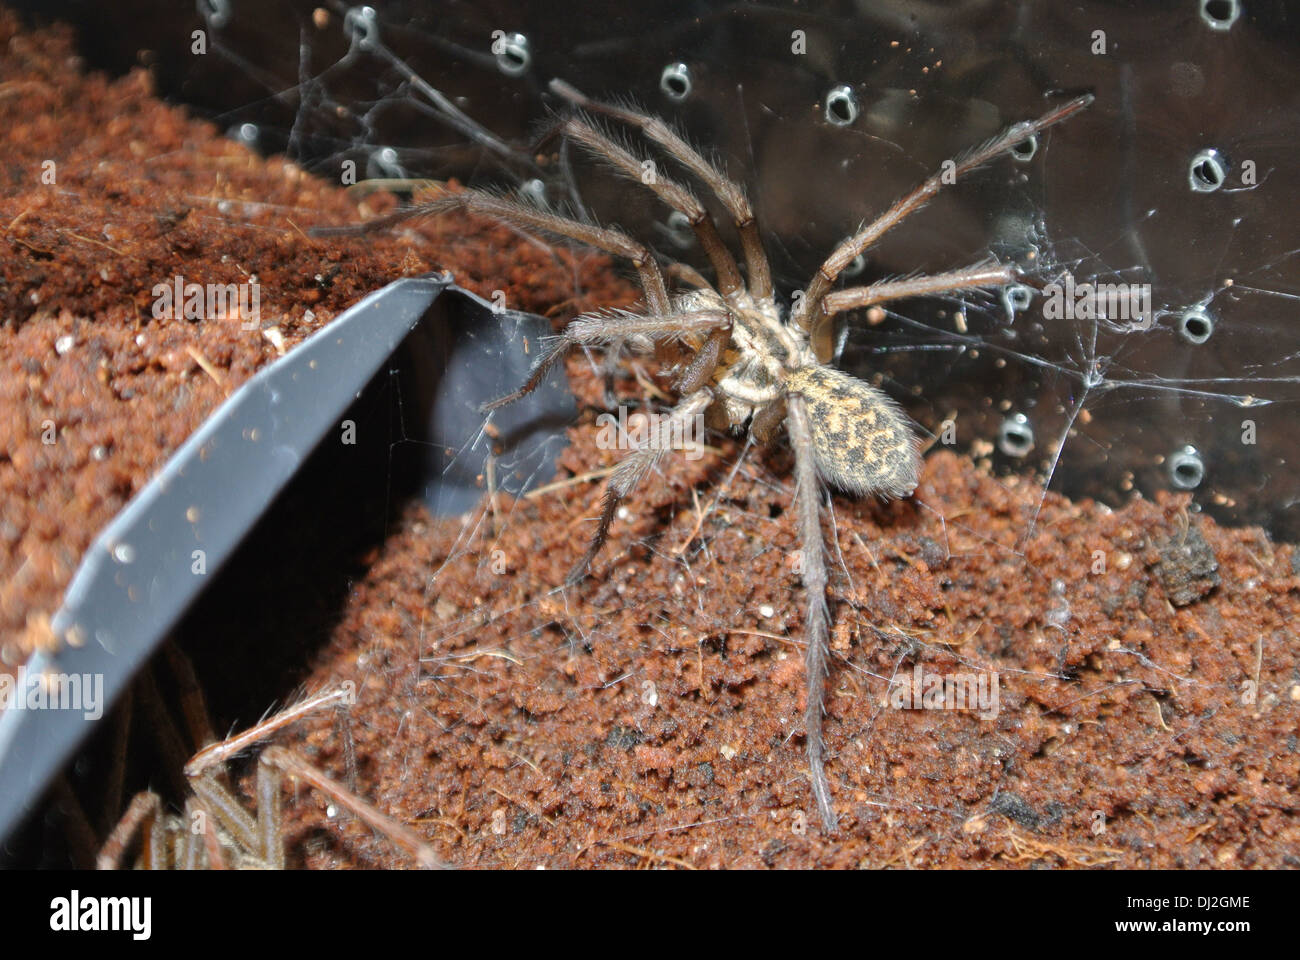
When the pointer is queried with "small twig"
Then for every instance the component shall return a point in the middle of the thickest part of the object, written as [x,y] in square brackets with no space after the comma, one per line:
[572,481]
[646,854]
[206,365]
[98,243]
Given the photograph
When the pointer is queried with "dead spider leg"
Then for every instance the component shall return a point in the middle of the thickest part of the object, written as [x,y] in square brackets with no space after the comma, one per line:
[193,844]
[969,278]
[669,191]
[728,191]
[399,833]
[634,466]
[144,812]
[817,615]
[217,754]
[172,747]
[845,253]
[189,694]
[612,327]
[263,836]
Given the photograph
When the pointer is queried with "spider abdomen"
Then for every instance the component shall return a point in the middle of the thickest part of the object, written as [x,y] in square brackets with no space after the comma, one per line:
[862,439]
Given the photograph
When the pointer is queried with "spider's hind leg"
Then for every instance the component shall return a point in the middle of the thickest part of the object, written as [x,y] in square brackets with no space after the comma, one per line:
[857,438]
[817,615]
[143,816]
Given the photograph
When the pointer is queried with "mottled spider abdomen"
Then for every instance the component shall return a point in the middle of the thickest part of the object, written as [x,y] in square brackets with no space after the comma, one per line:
[864,444]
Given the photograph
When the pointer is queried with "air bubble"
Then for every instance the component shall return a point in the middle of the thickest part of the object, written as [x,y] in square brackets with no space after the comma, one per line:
[215,13]
[383,165]
[246,133]
[1058,614]
[1016,297]
[675,82]
[1186,469]
[361,25]
[855,267]
[1207,171]
[679,230]
[841,106]
[1024,150]
[124,553]
[1195,326]
[1220,14]
[534,191]
[514,57]
[1016,436]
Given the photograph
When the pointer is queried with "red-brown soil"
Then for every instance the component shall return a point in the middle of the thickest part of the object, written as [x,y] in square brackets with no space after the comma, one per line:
[1148,680]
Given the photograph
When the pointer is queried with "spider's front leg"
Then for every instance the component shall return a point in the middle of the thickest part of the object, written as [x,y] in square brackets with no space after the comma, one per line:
[807,311]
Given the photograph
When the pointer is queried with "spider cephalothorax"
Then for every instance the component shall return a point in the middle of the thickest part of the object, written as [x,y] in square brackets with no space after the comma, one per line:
[750,365]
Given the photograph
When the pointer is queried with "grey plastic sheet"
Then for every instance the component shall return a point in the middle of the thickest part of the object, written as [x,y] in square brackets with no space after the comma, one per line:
[158,555]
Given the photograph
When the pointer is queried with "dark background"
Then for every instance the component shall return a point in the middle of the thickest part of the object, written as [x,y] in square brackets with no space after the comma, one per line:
[1106,197]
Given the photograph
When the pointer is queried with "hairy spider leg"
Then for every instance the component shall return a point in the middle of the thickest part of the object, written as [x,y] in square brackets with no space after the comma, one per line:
[670,192]
[634,466]
[845,253]
[973,277]
[609,327]
[816,615]
[727,190]
[263,836]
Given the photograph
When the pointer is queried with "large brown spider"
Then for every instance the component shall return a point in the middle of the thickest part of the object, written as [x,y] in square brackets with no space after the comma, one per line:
[752,365]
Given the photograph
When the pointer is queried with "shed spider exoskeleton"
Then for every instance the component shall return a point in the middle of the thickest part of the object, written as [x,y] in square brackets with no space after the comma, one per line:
[215,830]
[753,366]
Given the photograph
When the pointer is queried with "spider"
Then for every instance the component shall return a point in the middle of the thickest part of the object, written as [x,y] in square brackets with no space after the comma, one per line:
[751,364]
